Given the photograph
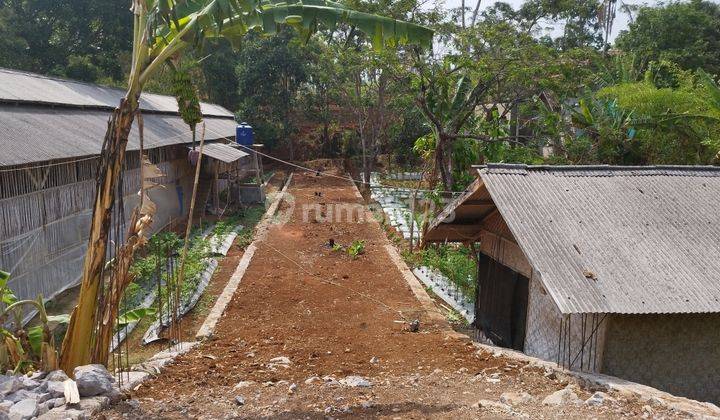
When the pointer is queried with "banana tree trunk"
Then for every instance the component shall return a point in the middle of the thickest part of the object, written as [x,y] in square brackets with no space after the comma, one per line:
[121,278]
[77,346]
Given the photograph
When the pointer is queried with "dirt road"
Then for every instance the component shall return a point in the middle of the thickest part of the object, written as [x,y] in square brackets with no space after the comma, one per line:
[306,317]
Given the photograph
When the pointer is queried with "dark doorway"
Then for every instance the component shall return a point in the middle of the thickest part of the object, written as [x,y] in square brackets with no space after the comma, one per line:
[501,303]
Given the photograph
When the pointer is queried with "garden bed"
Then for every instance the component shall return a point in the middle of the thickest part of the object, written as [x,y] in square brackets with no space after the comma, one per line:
[206,259]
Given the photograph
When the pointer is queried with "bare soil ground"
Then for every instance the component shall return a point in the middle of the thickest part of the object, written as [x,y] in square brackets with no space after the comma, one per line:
[335,316]
[191,322]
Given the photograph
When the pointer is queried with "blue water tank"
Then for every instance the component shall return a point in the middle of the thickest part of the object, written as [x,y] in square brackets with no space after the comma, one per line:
[244,134]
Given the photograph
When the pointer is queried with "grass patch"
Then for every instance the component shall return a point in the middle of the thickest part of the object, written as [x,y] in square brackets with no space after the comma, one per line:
[454,261]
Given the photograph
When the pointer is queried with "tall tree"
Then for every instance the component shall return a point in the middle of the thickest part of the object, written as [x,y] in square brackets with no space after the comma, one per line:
[580,20]
[474,93]
[85,34]
[269,73]
[13,47]
[687,33]
[218,62]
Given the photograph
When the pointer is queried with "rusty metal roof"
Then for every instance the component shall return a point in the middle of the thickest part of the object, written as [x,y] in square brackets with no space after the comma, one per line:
[30,88]
[31,133]
[223,152]
[608,239]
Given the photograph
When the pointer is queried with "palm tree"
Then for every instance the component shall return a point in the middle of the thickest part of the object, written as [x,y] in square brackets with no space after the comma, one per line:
[165,29]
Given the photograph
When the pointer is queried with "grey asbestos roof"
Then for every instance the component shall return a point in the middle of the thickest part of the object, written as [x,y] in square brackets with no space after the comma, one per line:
[43,118]
[22,87]
[223,152]
[616,239]
[39,133]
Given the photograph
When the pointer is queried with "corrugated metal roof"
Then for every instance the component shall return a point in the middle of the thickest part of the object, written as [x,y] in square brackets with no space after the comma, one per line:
[616,239]
[40,133]
[223,152]
[18,86]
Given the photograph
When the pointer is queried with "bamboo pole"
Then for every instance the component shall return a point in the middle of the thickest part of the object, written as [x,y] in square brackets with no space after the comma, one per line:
[181,275]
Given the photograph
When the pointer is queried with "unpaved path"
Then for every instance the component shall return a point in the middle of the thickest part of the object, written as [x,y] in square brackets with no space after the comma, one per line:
[335,316]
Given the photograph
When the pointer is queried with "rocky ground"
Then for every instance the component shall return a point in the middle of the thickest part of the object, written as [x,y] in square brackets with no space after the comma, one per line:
[314,333]
[52,395]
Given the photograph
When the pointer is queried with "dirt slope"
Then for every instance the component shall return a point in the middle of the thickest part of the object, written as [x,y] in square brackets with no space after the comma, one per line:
[335,316]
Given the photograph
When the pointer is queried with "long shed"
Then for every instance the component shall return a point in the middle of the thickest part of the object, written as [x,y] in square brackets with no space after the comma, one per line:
[51,134]
[599,268]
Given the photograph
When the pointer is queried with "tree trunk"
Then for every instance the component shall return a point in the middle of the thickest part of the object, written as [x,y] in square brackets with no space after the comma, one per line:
[286,118]
[364,156]
[77,345]
[361,125]
[443,156]
[326,146]
[114,293]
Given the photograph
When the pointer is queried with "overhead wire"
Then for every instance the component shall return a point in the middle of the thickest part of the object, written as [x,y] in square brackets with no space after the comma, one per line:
[224,137]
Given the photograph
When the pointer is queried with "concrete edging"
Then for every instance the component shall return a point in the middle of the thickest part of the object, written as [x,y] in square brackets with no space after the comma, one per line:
[208,327]
[644,393]
[418,290]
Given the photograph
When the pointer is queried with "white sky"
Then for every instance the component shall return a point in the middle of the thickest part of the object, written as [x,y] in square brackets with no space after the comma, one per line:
[621,18]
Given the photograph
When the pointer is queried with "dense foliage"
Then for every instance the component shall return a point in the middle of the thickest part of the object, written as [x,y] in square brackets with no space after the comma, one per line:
[686,33]
[80,39]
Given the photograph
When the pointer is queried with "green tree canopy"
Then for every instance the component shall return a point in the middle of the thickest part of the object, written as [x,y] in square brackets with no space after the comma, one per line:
[270,71]
[82,39]
[687,33]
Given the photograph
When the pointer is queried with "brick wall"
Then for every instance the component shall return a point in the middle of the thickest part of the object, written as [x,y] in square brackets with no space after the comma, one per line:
[678,353]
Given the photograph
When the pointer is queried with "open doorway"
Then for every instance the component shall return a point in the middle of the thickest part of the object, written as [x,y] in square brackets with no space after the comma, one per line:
[501,303]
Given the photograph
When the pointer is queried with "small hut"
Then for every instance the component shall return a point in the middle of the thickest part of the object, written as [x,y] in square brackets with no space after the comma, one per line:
[599,268]
[51,134]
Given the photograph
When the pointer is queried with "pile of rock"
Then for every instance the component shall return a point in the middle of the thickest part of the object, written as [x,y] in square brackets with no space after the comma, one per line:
[55,396]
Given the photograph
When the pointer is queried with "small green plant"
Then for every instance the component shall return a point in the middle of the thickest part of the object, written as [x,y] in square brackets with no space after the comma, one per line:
[166,246]
[25,349]
[225,226]
[455,318]
[356,248]
[337,247]
[249,218]
[134,315]
[455,262]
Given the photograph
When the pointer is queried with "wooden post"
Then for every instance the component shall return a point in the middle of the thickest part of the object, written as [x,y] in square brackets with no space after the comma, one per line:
[258,167]
[216,189]
[412,220]
[188,228]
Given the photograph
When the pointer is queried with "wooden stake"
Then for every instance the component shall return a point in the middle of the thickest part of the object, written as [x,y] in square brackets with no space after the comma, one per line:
[181,275]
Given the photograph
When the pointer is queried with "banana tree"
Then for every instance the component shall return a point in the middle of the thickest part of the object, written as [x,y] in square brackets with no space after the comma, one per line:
[163,30]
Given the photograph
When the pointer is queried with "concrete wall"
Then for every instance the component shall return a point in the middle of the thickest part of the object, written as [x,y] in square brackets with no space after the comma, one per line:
[678,353]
